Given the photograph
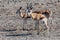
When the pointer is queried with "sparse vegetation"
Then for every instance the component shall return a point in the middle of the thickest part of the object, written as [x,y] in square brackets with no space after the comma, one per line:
[9,20]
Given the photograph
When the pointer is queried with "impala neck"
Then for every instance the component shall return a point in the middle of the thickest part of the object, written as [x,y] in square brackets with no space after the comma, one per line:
[30,11]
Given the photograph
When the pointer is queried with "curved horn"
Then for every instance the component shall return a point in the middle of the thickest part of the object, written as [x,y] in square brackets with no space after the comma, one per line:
[31,6]
[27,6]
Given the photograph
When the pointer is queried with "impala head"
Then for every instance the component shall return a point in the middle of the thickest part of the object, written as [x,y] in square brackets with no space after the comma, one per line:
[29,8]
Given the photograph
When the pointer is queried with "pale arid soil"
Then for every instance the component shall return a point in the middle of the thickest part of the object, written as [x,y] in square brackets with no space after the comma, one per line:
[9,20]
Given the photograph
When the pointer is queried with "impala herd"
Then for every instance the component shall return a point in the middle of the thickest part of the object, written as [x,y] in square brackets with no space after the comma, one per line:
[42,15]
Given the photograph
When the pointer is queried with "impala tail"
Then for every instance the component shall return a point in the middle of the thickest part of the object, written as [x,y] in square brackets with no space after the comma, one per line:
[47,13]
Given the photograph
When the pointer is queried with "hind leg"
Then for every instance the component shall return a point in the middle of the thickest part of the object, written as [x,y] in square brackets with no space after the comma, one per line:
[45,26]
[44,23]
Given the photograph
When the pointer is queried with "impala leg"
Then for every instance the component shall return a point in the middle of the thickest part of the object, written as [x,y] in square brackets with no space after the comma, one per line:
[37,26]
[47,31]
[24,22]
[47,28]
[24,16]
[45,25]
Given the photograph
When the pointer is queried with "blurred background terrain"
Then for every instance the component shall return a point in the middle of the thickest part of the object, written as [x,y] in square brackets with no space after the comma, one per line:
[9,20]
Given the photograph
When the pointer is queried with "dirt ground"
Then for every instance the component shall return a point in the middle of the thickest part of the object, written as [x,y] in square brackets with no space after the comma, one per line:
[11,23]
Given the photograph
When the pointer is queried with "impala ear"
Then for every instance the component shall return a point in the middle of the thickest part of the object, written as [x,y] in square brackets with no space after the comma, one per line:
[31,6]
[27,6]
[18,11]
[20,8]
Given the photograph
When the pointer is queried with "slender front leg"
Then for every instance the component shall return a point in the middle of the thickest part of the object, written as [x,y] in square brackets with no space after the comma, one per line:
[24,22]
[37,26]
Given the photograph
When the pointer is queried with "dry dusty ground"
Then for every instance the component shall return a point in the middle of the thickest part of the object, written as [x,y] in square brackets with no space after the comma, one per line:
[9,20]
